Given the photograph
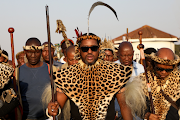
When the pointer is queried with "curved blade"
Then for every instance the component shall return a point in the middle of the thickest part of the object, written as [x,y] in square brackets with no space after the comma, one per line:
[104,4]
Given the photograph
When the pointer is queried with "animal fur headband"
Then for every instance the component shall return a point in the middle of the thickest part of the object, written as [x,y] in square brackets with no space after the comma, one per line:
[5,56]
[33,47]
[84,37]
[46,45]
[164,61]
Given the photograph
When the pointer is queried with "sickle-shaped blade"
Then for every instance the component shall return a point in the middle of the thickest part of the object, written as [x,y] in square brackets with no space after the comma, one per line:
[104,4]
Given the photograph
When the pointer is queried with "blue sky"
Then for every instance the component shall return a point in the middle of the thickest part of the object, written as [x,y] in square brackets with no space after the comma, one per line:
[29,19]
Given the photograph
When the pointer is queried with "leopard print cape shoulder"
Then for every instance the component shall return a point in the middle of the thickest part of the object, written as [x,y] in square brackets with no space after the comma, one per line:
[6,71]
[92,88]
[170,87]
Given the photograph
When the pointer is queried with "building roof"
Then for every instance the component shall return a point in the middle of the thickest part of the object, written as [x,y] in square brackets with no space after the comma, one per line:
[148,32]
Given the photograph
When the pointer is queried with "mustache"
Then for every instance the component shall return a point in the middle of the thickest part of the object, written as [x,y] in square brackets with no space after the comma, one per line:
[89,54]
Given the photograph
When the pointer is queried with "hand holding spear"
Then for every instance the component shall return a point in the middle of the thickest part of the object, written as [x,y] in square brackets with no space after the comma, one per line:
[50,59]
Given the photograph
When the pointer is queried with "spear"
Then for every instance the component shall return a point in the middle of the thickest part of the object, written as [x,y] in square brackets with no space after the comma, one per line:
[141,47]
[11,31]
[50,57]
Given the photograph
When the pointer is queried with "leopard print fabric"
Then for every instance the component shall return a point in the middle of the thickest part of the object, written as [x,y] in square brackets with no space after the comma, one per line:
[5,73]
[164,61]
[170,87]
[93,88]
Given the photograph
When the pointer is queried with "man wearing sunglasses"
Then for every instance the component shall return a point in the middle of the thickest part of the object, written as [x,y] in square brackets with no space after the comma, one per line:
[164,81]
[92,84]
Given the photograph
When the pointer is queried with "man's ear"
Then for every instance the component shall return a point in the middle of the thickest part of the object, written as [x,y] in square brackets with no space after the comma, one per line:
[133,52]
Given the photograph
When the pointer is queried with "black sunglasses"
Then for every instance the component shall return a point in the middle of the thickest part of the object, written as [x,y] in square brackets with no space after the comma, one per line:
[162,69]
[93,48]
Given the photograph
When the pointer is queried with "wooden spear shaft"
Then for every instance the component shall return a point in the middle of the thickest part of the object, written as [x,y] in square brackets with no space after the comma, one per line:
[127,35]
[50,57]
[141,47]
[11,31]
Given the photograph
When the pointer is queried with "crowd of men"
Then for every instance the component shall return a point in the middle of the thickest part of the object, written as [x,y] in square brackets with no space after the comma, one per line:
[92,81]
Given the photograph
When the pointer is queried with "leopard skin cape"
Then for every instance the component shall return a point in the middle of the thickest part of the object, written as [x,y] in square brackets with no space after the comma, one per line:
[92,88]
[170,86]
[6,71]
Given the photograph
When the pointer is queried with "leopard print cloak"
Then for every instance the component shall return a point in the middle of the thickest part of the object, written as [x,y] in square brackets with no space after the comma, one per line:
[170,87]
[6,71]
[92,89]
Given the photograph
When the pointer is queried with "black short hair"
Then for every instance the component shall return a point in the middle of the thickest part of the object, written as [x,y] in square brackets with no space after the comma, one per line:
[150,50]
[63,45]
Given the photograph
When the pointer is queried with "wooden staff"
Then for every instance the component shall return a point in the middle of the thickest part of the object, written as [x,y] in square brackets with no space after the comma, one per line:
[141,47]
[11,31]
[50,57]
[127,35]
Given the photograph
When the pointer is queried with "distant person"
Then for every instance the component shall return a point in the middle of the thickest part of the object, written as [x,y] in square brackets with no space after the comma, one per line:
[109,50]
[33,76]
[45,55]
[63,50]
[20,56]
[10,62]
[70,56]
[147,52]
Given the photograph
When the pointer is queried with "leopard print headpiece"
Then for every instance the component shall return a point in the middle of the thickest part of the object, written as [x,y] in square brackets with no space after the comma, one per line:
[5,56]
[164,61]
[6,71]
[33,47]
[46,45]
[84,37]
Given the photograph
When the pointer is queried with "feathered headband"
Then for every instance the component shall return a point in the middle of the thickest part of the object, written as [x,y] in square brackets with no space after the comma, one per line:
[108,45]
[164,61]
